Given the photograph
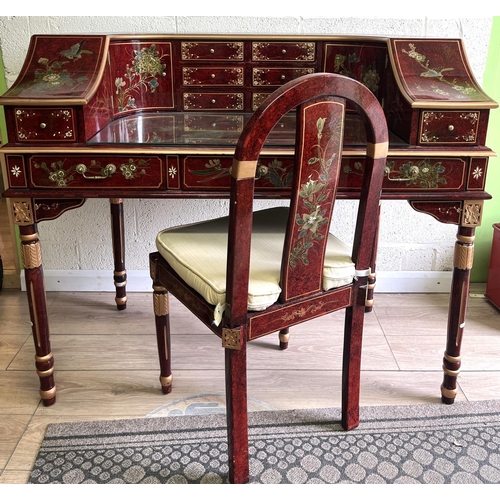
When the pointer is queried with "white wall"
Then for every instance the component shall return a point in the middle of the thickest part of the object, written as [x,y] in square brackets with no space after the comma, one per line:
[80,239]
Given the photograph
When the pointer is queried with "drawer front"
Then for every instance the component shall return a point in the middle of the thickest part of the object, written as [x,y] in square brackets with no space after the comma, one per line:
[449,127]
[258,98]
[210,75]
[213,100]
[409,174]
[211,172]
[212,51]
[45,125]
[262,77]
[284,51]
[217,122]
[216,129]
[96,171]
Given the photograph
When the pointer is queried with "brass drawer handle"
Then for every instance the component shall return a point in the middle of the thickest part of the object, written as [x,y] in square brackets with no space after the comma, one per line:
[414,172]
[43,125]
[451,128]
[107,171]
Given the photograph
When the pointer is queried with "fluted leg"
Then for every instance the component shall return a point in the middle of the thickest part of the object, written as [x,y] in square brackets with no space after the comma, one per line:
[31,254]
[118,238]
[463,258]
[161,309]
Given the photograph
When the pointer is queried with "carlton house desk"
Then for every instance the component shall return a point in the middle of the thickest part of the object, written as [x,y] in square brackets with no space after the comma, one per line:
[158,116]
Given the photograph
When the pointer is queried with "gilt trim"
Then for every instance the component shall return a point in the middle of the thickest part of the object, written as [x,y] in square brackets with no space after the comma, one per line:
[231,338]
[161,304]
[243,169]
[378,150]
[464,256]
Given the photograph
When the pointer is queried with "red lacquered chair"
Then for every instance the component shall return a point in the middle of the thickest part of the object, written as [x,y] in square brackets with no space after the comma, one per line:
[254,273]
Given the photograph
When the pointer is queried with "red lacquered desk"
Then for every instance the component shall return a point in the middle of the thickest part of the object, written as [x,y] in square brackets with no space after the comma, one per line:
[157,116]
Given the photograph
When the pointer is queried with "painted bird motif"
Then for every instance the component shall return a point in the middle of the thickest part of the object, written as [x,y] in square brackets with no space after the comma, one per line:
[435,72]
[76,51]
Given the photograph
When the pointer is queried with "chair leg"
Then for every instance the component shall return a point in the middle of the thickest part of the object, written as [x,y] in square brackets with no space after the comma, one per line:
[161,309]
[237,414]
[351,368]
[284,337]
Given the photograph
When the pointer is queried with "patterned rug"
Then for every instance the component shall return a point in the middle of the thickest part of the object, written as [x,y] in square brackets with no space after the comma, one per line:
[397,444]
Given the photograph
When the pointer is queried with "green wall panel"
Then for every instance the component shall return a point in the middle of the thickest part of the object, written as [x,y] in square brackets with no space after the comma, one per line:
[484,234]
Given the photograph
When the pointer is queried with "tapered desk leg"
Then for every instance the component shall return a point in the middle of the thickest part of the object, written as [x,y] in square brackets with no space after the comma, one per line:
[464,254]
[162,320]
[118,236]
[32,261]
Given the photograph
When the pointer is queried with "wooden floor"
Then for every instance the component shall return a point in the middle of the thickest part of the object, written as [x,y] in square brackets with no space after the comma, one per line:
[106,364]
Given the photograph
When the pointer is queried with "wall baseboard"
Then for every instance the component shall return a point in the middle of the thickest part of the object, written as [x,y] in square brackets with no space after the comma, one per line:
[140,281]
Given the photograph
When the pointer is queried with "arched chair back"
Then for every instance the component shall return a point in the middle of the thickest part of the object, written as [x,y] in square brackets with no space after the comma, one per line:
[258,272]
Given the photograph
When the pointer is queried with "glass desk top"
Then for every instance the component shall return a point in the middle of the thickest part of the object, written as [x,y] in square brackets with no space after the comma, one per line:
[210,129]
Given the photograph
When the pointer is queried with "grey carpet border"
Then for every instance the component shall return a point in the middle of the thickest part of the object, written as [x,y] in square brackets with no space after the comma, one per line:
[374,418]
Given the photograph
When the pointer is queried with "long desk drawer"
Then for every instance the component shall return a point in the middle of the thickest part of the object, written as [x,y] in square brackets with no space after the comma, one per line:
[401,174]
[96,171]
[210,172]
[410,174]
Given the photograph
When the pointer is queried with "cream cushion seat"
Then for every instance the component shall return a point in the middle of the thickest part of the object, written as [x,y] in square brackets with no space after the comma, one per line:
[198,254]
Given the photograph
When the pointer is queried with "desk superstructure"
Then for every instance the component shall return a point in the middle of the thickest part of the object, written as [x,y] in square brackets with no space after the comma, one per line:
[158,116]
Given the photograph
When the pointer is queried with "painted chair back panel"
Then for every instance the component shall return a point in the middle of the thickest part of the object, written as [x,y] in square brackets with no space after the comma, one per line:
[317,169]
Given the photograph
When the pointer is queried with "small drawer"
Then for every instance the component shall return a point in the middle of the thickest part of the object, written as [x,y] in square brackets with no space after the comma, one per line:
[409,174]
[212,51]
[213,123]
[213,100]
[258,98]
[212,172]
[449,127]
[283,51]
[283,133]
[45,125]
[96,171]
[263,77]
[211,130]
[211,75]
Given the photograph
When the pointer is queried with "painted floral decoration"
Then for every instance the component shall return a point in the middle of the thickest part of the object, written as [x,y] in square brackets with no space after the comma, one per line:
[314,195]
[462,87]
[143,73]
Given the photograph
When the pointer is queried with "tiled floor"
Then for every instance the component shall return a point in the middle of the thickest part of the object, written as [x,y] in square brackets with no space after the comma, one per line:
[107,368]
